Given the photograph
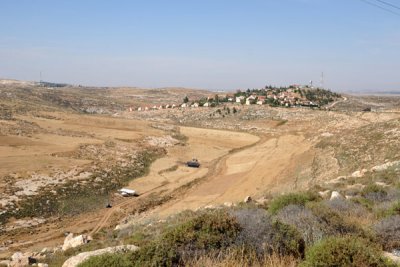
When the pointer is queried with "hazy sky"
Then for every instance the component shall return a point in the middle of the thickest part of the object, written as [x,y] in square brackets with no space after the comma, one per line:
[213,44]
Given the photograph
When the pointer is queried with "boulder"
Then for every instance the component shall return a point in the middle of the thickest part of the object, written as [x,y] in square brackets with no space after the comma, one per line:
[247,199]
[72,242]
[392,256]
[43,265]
[324,194]
[228,204]
[5,263]
[19,259]
[81,257]
[336,195]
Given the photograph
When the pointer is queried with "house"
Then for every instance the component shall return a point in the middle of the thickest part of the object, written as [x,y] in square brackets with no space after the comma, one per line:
[207,104]
[184,105]
[239,99]
[230,98]
[261,100]
[173,106]
[250,100]
[195,105]
[261,97]
[146,108]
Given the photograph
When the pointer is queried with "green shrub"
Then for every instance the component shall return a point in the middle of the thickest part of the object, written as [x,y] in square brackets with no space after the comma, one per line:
[304,220]
[388,232]
[291,199]
[368,204]
[335,224]
[286,240]
[394,209]
[344,251]
[109,260]
[264,235]
[374,192]
[208,231]
[157,254]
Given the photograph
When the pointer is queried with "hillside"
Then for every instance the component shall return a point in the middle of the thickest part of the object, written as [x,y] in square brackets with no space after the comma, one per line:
[305,175]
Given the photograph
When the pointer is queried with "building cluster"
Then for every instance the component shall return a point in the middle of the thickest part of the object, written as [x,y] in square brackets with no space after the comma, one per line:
[292,96]
[288,97]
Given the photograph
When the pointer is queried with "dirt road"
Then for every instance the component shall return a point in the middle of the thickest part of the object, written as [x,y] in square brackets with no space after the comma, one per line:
[249,172]
[243,165]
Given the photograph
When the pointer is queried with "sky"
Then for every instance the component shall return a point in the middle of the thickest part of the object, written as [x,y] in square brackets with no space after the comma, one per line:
[210,44]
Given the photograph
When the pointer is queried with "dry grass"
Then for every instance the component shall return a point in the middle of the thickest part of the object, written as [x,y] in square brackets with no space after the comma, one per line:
[243,258]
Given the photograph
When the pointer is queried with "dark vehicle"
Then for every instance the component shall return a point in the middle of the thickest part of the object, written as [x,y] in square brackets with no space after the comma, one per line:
[194,163]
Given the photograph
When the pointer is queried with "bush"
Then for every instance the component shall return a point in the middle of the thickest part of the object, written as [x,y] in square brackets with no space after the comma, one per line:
[374,193]
[394,209]
[347,208]
[206,232]
[334,224]
[263,235]
[286,240]
[344,251]
[306,223]
[291,199]
[388,232]
[109,260]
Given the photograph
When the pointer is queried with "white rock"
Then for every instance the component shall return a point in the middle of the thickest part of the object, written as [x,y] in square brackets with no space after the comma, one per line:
[336,195]
[381,184]
[324,194]
[262,201]
[326,134]
[228,204]
[43,265]
[393,257]
[247,199]
[19,259]
[338,180]
[72,242]
[357,174]
[81,257]
[385,166]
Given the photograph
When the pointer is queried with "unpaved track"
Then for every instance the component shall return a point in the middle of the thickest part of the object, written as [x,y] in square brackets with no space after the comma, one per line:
[265,164]
[210,146]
